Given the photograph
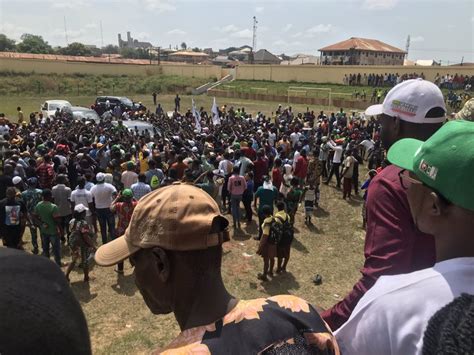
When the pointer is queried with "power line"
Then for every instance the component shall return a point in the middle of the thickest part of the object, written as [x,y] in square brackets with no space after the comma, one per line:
[441,50]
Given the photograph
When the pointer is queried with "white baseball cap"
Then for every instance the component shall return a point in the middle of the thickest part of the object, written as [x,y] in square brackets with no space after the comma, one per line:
[100,177]
[16,180]
[80,208]
[410,101]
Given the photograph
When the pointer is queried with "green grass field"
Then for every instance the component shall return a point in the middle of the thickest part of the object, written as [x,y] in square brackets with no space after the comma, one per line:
[8,104]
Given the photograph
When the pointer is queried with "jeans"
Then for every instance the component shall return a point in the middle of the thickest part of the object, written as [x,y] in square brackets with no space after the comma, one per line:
[235,208]
[55,241]
[34,237]
[106,220]
[247,201]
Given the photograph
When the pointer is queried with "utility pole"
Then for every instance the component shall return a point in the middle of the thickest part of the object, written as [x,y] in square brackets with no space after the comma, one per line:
[407,47]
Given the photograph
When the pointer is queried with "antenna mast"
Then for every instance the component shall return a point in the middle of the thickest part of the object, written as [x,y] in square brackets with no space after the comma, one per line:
[254,41]
[101,35]
[65,31]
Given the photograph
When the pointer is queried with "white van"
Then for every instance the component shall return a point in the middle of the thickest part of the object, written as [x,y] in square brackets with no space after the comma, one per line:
[48,108]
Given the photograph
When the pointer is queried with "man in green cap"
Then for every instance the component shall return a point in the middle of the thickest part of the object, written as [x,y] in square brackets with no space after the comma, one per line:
[392,316]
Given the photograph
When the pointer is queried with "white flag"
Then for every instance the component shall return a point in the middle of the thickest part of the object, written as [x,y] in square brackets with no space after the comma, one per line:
[197,117]
[215,114]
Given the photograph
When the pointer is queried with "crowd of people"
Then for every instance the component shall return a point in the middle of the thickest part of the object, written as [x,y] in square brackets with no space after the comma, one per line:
[159,198]
[448,81]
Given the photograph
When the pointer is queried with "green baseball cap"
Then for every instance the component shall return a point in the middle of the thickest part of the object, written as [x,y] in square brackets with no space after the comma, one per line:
[445,162]
[127,193]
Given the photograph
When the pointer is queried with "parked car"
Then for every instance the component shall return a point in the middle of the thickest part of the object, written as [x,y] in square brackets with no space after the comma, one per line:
[49,107]
[84,113]
[104,103]
[139,126]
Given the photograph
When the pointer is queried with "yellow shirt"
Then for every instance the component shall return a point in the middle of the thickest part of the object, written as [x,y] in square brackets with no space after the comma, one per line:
[267,223]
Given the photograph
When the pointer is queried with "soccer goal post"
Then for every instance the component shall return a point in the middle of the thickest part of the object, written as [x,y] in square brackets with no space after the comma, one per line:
[294,89]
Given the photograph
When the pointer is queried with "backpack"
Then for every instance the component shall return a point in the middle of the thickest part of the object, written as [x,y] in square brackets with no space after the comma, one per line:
[281,233]
[154,182]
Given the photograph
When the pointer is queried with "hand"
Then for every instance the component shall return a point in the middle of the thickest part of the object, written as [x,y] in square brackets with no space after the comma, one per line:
[259,250]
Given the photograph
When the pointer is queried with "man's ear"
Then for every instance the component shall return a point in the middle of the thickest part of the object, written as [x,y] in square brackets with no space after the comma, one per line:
[436,205]
[162,262]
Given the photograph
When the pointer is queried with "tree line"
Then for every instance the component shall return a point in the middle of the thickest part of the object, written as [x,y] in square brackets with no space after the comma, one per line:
[30,43]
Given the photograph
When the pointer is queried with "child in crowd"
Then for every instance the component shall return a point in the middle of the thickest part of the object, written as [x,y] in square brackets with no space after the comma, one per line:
[293,198]
[309,200]
[365,186]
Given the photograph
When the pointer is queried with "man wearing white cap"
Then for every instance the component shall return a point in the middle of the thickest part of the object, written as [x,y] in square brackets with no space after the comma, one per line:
[393,244]
[104,194]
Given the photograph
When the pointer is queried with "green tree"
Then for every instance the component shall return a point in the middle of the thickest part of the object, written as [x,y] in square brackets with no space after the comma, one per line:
[33,44]
[196,49]
[184,46]
[75,48]
[6,44]
[128,53]
[111,49]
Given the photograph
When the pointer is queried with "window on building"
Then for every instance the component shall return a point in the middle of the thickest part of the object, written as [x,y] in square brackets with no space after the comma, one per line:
[375,55]
[384,55]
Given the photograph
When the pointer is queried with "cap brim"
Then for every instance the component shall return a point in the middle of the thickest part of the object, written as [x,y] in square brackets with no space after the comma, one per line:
[402,153]
[114,252]
[374,110]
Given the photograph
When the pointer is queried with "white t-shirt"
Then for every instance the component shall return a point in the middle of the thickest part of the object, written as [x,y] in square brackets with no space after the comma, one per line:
[367,144]
[103,195]
[272,138]
[337,152]
[392,316]
[81,196]
[129,178]
[294,138]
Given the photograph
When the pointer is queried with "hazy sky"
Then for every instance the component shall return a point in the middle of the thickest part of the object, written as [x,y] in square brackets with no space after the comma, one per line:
[439,29]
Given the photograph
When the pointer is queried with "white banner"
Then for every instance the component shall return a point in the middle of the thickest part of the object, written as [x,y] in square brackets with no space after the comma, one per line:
[197,117]
[215,114]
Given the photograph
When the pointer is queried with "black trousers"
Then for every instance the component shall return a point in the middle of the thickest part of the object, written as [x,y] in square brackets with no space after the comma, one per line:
[247,201]
[335,171]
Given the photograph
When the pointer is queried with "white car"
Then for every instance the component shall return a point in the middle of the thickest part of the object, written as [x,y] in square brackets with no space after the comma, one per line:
[48,108]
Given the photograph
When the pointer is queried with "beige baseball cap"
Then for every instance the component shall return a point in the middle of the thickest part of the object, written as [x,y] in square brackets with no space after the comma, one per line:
[178,217]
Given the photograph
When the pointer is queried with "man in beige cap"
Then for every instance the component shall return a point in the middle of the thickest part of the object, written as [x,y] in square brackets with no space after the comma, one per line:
[174,241]
[467,112]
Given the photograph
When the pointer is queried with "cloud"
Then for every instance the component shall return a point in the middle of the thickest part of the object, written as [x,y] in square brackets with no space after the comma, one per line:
[91,26]
[287,27]
[159,5]
[297,35]
[417,39]
[227,29]
[379,4]
[280,43]
[472,19]
[259,9]
[176,32]
[14,31]
[69,5]
[142,36]
[319,29]
[246,33]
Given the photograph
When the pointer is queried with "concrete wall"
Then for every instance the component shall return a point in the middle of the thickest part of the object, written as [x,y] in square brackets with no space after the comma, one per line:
[335,74]
[63,67]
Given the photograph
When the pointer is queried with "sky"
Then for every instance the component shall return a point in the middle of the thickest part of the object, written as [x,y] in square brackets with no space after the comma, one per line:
[439,29]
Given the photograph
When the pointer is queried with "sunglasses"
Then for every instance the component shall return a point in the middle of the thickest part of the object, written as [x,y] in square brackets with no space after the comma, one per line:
[406,181]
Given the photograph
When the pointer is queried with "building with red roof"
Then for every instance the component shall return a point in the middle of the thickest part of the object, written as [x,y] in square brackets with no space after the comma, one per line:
[361,51]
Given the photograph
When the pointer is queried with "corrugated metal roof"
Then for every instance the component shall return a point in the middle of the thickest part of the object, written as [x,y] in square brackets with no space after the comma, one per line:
[189,54]
[363,44]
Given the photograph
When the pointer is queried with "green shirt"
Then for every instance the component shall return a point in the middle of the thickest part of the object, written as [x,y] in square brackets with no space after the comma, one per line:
[266,197]
[46,212]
